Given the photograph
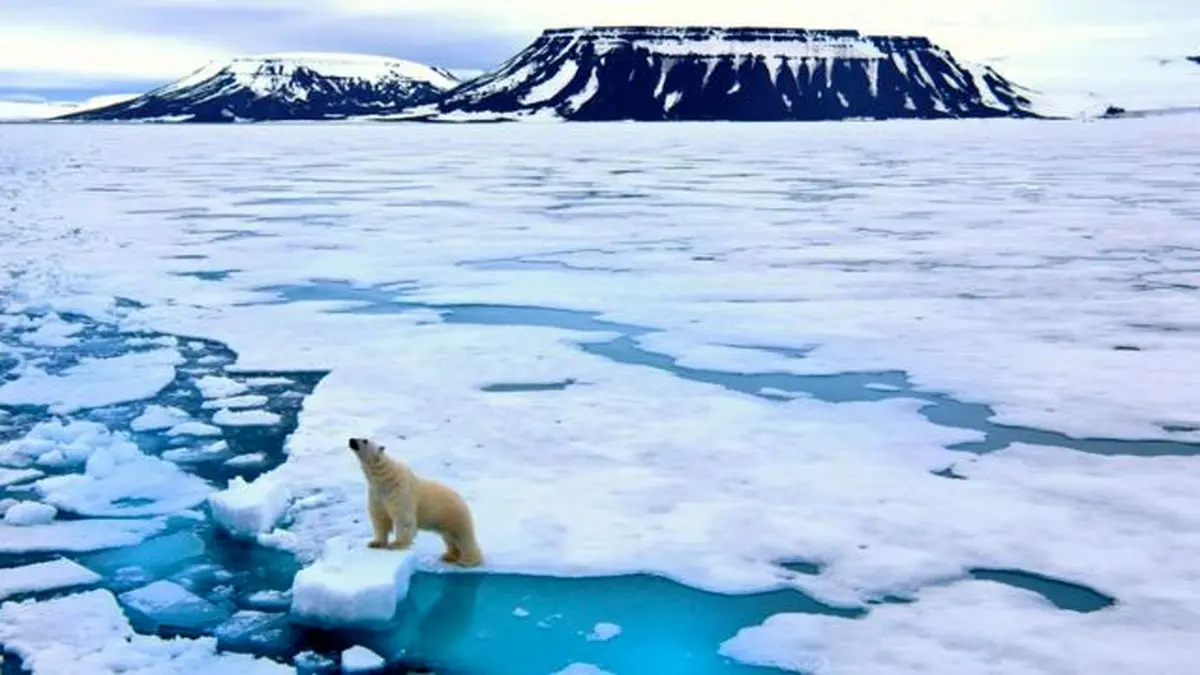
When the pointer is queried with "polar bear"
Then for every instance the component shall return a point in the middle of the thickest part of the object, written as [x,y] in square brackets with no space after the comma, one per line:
[398,500]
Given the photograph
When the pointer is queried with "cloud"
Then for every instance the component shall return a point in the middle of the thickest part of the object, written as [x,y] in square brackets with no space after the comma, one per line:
[77,43]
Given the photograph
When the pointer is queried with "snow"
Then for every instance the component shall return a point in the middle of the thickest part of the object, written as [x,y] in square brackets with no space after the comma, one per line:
[16,476]
[245,401]
[352,587]
[665,43]
[52,575]
[217,387]
[359,659]
[158,417]
[194,428]
[95,382]
[99,640]
[115,470]
[957,628]
[552,86]
[357,66]
[77,536]
[246,418]
[603,632]
[992,262]
[32,109]
[26,514]
[248,509]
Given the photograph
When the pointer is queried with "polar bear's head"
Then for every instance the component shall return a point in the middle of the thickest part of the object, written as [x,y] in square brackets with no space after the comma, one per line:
[366,448]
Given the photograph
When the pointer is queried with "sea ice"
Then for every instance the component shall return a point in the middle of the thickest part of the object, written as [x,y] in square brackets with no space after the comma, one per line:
[208,453]
[582,669]
[359,659]
[603,631]
[53,331]
[77,535]
[249,509]
[245,418]
[15,476]
[59,444]
[235,402]
[26,514]
[99,640]
[256,632]
[121,480]
[215,386]
[95,382]
[248,460]
[157,417]
[360,587]
[167,604]
[194,428]
[44,576]
[954,629]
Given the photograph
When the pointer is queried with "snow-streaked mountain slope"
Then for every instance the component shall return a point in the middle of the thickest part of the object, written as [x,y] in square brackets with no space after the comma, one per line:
[286,86]
[706,73]
[34,109]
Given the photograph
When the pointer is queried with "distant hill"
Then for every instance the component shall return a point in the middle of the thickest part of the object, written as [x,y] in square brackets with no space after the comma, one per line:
[293,86]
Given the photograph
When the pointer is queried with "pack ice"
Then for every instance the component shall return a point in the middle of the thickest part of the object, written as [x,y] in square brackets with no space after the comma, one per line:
[352,587]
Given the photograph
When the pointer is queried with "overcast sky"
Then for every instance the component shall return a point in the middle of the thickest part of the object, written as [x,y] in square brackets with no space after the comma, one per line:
[72,49]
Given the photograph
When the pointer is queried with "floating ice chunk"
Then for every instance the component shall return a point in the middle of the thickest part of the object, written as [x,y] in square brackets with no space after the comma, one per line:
[235,402]
[166,604]
[157,417]
[53,332]
[14,476]
[249,509]
[45,576]
[360,587]
[215,386]
[269,601]
[208,453]
[77,535]
[56,444]
[194,428]
[582,669]
[256,633]
[26,514]
[359,659]
[603,632]
[311,663]
[268,382]
[5,505]
[98,640]
[246,418]
[120,480]
[243,461]
[148,560]
[95,382]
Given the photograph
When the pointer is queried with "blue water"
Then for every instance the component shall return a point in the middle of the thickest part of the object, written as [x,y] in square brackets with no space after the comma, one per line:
[456,623]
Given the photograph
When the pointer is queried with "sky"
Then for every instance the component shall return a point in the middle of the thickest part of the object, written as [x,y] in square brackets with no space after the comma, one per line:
[68,50]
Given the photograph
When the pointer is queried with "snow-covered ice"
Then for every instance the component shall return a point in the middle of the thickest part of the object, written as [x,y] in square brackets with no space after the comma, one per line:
[234,402]
[15,476]
[158,417]
[245,418]
[77,535]
[1045,270]
[359,659]
[44,576]
[98,640]
[118,479]
[27,514]
[604,631]
[167,603]
[356,587]
[249,509]
[95,382]
[194,428]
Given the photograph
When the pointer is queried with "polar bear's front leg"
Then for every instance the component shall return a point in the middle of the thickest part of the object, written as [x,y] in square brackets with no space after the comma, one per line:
[405,525]
[381,522]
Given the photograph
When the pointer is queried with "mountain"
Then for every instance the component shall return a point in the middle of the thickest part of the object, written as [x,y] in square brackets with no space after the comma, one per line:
[706,73]
[36,108]
[293,86]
